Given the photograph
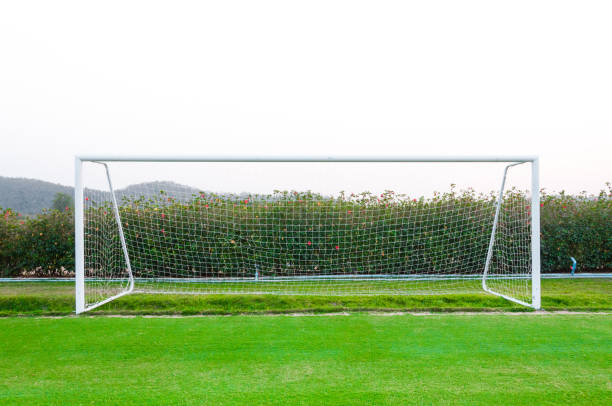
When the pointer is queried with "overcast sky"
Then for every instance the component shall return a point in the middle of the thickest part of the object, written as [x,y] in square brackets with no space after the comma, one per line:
[308,77]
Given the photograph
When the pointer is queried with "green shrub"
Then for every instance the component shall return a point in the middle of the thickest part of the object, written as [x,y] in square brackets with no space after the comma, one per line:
[50,242]
[43,245]
[11,228]
[269,229]
[291,233]
[577,226]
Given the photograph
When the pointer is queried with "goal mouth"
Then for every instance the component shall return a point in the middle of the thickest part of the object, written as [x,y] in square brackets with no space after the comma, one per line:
[314,226]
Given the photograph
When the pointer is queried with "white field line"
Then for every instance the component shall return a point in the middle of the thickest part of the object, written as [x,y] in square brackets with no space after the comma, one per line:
[334,314]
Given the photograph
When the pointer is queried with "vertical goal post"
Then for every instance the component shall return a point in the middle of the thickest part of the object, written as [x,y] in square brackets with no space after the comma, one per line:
[80,210]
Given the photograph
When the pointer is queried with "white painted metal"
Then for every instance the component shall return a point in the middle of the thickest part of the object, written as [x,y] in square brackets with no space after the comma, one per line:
[130,288]
[105,301]
[492,242]
[79,240]
[154,158]
[120,227]
[500,198]
[535,234]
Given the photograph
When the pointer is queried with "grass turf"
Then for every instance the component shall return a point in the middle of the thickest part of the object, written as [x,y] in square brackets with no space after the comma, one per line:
[324,360]
[57,298]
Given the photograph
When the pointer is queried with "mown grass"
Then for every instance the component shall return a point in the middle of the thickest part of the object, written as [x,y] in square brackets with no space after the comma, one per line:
[45,298]
[355,360]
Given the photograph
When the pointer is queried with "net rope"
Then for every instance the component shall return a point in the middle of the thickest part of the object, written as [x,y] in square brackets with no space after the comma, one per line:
[181,240]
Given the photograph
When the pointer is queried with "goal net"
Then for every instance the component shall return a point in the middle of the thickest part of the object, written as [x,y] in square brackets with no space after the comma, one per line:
[371,226]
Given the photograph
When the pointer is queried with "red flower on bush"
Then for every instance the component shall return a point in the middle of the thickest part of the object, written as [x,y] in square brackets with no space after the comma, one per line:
[163,231]
[414,200]
[541,204]
[337,248]
[87,198]
[349,212]
[206,206]
[163,215]
[309,243]
[246,201]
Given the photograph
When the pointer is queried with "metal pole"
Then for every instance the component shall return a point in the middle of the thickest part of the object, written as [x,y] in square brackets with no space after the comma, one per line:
[237,158]
[492,242]
[126,255]
[500,197]
[79,249]
[535,234]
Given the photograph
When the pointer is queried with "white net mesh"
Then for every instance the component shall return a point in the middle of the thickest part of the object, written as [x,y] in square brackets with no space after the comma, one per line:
[188,239]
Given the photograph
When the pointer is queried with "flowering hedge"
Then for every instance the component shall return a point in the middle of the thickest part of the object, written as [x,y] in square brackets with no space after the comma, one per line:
[578,226]
[40,246]
[297,233]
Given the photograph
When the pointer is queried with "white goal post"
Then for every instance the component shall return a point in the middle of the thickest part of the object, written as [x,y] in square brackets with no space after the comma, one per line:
[168,237]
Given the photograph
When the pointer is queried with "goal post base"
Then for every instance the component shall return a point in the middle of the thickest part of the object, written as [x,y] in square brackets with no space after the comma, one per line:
[105,301]
[510,298]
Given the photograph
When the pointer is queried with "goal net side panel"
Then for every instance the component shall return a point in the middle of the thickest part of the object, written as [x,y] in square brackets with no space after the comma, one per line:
[106,272]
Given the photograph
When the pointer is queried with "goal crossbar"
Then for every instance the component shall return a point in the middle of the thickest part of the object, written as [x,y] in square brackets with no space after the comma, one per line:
[298,158]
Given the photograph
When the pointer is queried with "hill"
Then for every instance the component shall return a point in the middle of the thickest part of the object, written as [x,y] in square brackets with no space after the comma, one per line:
[29,196]
[32,196]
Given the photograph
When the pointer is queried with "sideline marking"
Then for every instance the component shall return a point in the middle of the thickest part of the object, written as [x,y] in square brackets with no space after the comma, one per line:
[335,314]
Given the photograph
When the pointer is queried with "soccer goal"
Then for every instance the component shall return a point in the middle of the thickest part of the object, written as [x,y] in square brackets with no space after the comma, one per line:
[306,226]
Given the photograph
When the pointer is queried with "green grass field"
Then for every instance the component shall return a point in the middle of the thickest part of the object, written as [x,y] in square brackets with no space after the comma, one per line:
[44,298]
[371,355]
[320,360]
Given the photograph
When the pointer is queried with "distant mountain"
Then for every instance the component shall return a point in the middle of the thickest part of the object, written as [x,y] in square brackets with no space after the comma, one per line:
[154,188]
[29,196]
[32,196]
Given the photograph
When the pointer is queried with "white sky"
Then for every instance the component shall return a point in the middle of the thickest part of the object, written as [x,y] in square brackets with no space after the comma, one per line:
[308,77]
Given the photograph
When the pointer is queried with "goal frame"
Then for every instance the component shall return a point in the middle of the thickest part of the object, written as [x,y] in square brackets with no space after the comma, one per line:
[103,159]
